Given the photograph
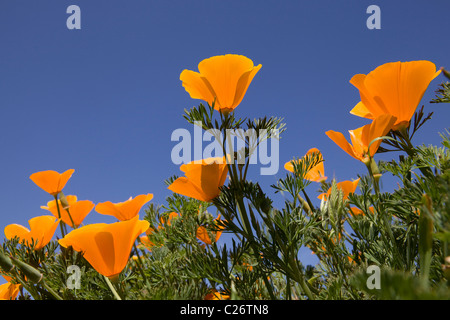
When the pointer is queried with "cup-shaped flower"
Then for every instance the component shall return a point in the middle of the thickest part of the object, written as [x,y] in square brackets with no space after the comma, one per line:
[202,179]
[394,88]
[42,229]
[221,79]
[124,210]
[51,181]
[346,186]
[106,247]
[364,137]
[9,291]
[75,212]
[313,172]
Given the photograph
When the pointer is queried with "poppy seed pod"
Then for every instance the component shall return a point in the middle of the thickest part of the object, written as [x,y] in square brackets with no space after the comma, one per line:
[6,263]
[31,273]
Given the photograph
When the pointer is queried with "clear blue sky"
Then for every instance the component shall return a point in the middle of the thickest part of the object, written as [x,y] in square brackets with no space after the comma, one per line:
[105,99]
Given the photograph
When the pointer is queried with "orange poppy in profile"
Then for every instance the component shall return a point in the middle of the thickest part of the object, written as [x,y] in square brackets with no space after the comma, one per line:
[78,210]
[202,233]
[51,181]
[202,179]
[41,231]
[106,247]
[363,136]
[347,187]
[9,291]
[314,173]
[394,88]
[124,210]
[223,79]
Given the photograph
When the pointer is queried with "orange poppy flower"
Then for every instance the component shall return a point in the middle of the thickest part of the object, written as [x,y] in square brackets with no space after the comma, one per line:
[202,233]
[215,295]
[168,220]
[124,210]
[9,291]
[315,173]
[363,136]
[357,211]
[224,79]
[41,231]
[202,180]
[146,243]
[346,186]
[394,88]
[78,210]
[106,247]
[51,181]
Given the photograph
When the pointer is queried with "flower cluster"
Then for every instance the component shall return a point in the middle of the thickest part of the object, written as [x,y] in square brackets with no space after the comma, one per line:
[176,253]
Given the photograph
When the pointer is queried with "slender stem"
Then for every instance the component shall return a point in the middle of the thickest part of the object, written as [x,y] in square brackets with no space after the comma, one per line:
[140,264]
[111,287]
[51,291]
[59,216]
[71,220]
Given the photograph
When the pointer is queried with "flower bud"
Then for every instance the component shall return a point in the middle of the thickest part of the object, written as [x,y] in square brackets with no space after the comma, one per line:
[63,199]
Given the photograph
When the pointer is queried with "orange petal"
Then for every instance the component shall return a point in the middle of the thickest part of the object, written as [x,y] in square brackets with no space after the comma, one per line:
[395,88]
[224,73]
[379,128]
[340,140]
[16,230]
[202,234]
[361,110]
[197,86]
[186,188]
[106,247]
[51,181]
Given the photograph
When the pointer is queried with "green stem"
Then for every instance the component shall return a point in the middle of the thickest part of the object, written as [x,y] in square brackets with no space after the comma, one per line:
[51,291]
[140,264]
[59,216]
[111,287]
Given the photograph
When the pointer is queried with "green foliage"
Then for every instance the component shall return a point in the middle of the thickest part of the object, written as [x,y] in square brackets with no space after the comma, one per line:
[406,233]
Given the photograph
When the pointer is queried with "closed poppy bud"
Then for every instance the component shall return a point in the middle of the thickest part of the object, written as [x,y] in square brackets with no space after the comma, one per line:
[31,273]
[6,263]
[63,199]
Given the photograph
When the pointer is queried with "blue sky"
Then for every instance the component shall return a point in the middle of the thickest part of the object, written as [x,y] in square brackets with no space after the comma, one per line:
[104,100]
